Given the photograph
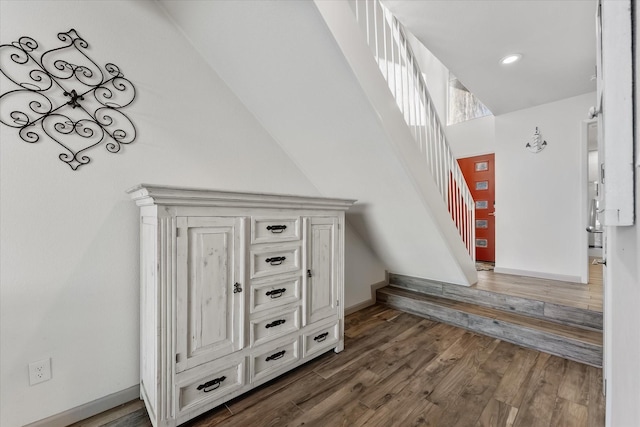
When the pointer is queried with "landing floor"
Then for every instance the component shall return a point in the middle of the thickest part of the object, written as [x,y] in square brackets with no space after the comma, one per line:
[588,297]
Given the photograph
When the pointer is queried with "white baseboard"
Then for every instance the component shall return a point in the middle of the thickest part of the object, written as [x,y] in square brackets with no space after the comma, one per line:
[539,275]
[369,302]
[358,307]
[90,409]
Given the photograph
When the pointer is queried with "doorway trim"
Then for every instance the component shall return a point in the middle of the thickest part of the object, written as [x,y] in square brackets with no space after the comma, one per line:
[584,198]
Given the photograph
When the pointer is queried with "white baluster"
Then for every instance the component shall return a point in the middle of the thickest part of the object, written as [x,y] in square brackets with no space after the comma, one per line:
[397,63]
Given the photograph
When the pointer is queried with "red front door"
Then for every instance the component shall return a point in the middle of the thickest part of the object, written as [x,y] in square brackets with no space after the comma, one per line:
[479,173]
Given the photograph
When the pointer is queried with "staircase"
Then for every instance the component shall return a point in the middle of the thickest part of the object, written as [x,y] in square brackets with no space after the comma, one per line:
[564,331]
[395,87]
[569,332]
[397,64]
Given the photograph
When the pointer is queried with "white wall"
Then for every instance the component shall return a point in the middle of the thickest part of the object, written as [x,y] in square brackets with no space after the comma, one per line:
[369,269]
[622,288]
[473,137]
[69,259]
[622,297]
[539,226]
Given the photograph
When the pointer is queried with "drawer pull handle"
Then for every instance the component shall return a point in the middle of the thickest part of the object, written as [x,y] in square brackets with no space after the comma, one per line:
[211,385]
[274,323]
[236,288]
[276,293]
[276,356]
[276,229]
[275,260]
[321,337]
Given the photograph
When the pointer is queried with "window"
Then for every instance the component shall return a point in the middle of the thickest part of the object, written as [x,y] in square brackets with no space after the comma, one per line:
[463,105]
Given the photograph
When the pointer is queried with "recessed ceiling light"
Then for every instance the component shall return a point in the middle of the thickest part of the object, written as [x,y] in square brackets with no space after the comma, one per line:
[510,59]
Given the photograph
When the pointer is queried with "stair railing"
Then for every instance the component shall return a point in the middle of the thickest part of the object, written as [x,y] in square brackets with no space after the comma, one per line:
[396,60]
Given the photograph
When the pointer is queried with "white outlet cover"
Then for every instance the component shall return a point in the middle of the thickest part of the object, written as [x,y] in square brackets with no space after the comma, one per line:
[39,371]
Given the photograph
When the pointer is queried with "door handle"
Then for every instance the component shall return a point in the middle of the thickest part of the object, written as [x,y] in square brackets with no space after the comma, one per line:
[492,213]
[599,262]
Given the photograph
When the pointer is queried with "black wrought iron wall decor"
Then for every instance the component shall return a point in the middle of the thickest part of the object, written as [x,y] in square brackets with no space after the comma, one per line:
[66,96]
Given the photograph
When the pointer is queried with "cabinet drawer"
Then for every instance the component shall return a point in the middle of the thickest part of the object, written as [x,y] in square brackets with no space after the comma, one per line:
[267,328]
[275,293]
[275,229]
[320,339]
[193,393]
[274,259]
[274,359]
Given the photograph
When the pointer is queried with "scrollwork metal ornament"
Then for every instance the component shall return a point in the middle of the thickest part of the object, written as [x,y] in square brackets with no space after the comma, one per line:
[66,96]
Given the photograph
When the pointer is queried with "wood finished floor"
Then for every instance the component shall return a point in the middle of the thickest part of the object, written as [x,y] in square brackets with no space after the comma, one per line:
[398,369]
[588,297]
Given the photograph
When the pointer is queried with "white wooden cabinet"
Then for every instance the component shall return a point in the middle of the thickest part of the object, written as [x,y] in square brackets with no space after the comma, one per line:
[236,289]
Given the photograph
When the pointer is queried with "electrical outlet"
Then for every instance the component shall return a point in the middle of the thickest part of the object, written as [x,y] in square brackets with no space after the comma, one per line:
[39,371]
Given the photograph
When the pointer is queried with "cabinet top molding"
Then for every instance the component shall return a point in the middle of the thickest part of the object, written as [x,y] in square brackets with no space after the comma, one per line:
[162,195]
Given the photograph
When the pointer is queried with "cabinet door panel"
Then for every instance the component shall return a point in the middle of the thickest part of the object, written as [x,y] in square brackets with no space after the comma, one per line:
[321,280]
[209,301]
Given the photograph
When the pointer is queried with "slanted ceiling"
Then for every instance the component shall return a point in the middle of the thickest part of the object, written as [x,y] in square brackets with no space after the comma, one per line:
[556,38]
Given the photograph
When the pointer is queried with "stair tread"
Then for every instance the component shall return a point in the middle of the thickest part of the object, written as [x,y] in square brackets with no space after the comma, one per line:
[571,332]
[556,311]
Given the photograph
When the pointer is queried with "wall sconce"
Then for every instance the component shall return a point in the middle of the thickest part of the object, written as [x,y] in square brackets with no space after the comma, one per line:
[537,144]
